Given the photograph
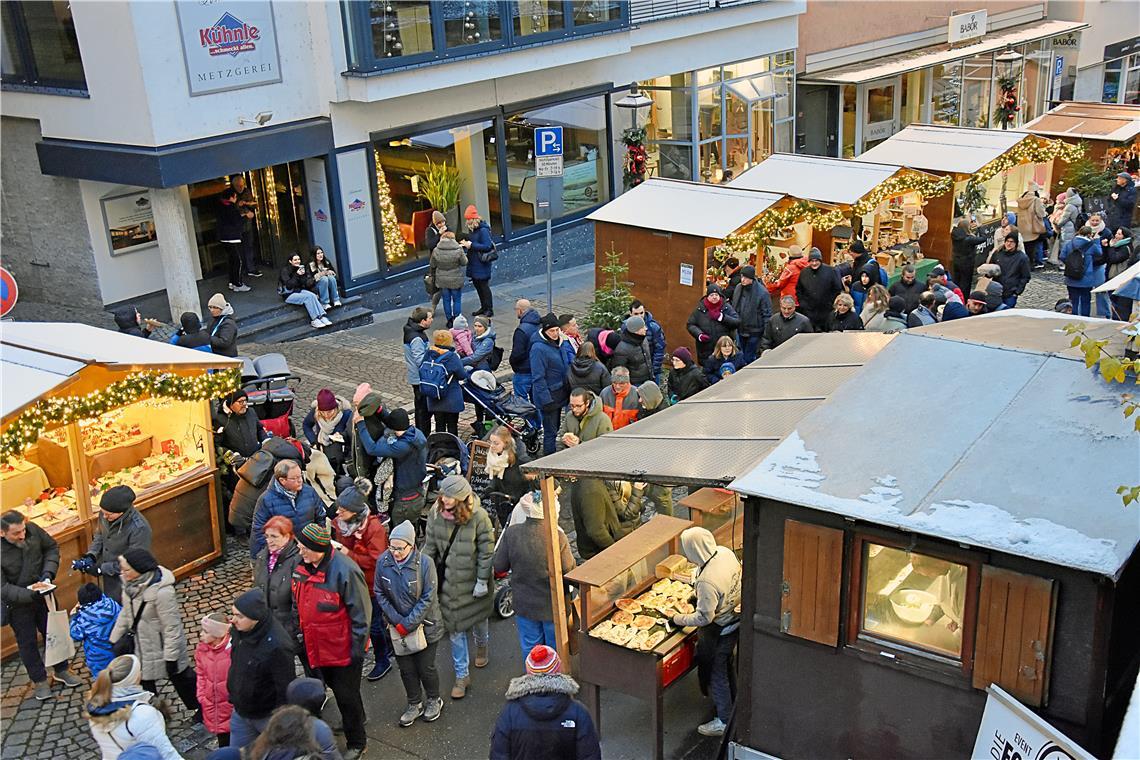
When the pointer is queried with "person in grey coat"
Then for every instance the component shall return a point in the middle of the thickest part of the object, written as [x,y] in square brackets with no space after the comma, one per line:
[754,305]
[120,527]
[152,614]
[522,553]
[1068,221]
[448,264]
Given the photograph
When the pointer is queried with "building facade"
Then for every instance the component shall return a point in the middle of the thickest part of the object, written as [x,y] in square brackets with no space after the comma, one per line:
[124,121]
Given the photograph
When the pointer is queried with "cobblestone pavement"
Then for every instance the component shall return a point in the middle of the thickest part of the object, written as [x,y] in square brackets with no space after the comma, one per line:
[339,361]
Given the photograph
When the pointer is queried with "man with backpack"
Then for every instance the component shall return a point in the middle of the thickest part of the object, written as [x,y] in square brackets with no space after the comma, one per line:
[1083,264]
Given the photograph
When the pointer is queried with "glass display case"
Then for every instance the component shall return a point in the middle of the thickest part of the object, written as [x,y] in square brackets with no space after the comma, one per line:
[48,501]
[720,512]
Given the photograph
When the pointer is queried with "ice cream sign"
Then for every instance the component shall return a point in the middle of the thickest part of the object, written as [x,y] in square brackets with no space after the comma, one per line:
[228,44]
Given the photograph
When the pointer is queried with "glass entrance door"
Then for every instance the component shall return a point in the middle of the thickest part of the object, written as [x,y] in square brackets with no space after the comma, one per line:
[880,107]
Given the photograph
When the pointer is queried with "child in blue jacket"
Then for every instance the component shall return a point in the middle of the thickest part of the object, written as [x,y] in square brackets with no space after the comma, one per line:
[92,623]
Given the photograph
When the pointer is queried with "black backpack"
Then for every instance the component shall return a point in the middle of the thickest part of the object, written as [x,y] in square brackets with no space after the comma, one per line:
[496,358]
[1075,261]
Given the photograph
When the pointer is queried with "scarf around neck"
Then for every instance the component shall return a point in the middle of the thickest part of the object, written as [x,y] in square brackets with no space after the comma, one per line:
[713,311]
[325,428]
[497,464]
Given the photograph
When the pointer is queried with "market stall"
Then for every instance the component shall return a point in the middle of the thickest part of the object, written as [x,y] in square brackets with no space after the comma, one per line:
[86,409]
[910,580]
[667,232]
[882,204]
[990,168]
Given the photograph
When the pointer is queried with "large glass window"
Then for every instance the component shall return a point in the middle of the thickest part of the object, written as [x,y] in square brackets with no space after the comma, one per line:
[946,93]
[401,29]
[1132,81]
[976,91]
[595,11]
[444,171]
[40,45]
[913,599]
[1111,91]
[585,178]
[1035,80]
[849,116]
[538,16]
[471,23]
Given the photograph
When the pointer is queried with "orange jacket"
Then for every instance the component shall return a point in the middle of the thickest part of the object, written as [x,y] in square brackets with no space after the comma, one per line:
[785,284]
[622,409]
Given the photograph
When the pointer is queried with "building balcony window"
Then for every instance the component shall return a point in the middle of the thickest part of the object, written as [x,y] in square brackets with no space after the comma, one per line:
[40,49]
[384,34]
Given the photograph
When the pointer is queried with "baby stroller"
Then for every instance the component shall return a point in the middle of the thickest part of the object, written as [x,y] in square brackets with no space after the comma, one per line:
[518,414]
[270,385]
[446,455]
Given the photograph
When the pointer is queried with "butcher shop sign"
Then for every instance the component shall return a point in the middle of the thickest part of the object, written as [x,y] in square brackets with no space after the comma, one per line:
[228,44]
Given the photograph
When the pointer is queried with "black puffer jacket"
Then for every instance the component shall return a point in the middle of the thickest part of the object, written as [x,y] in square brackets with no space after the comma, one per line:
[700,323]
[588,373]
[261,667]
[242,433]
[841,322]
[633,354]
[816,291]
[686,382]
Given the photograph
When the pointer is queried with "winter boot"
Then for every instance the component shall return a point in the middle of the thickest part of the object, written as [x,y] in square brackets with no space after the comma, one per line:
[459,690]
[481,655]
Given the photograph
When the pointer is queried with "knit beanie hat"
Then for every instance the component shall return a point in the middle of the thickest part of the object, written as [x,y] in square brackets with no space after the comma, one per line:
[88,593]
[460,322]
[815,255]
[858,247]
[308,693]
[236,396]
[218,301]
[140,560]
[470,212]
[977,295]
[634,324]
[215,628]
[370,404]
[252,604]
[683,354]
[355,497]
[405,532]
[479,320]
[543,660]
[713,288]
[326,400]
[549,321]
[118,499]
[314,537]
[613,338]
[748,271]
[896,304]
[455,487]
[398,420]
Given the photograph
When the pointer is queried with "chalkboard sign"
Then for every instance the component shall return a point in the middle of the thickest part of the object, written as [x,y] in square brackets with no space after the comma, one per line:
[477,467]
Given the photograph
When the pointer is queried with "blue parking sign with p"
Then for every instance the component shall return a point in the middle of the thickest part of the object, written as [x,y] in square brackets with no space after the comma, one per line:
[548,141]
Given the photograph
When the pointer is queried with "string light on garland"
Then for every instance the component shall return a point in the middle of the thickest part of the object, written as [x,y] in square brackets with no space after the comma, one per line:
[393,238]
[25,429]
[1034,150]
[926,185]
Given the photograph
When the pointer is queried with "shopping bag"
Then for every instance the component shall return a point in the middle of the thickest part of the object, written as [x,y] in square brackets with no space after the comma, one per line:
[59,646]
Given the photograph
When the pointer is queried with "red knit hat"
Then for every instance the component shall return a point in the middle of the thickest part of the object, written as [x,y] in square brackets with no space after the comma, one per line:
[543,660]
[326,400]
[471,212]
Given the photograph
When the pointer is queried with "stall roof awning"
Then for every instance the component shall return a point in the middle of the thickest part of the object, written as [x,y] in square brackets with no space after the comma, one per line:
[913,60]
[829,180]
[968,480]
[687,208]
[27,375]
[956,150]
[713,437]
[1089,121]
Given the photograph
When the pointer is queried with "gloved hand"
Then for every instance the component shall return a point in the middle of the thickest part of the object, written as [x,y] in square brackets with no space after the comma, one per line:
[400,629]
[85,564]
[704,338]
[172,668]
[47,578]
[480,589]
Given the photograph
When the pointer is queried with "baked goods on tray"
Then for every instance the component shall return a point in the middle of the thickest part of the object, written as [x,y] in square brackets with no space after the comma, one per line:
[644,622]
[652,640]
[621,617]
[628,605]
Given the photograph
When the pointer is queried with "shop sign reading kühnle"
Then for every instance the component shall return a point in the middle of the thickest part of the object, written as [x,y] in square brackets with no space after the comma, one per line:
[228,45]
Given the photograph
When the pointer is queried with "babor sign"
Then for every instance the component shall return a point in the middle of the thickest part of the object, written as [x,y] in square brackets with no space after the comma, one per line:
[228,44]
[967,26]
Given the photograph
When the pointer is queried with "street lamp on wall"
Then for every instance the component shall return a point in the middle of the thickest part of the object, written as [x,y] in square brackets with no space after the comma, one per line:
[634,101]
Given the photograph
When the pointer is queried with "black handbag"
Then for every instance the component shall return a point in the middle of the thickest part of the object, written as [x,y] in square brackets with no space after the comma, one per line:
[126,643]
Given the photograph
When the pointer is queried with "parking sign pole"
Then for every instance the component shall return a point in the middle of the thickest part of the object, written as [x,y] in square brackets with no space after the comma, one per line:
[548,170]
[549,269]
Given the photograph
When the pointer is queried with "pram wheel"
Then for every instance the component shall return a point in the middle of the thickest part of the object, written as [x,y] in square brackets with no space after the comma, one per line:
[504,601]
[533,442]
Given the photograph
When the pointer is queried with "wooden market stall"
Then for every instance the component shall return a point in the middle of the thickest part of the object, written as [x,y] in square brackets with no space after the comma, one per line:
[882,204]
[667,230]
[889,589]
[85,409]
[1002,163]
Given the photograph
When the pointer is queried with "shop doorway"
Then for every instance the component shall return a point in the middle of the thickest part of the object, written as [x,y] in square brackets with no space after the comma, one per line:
[280,226]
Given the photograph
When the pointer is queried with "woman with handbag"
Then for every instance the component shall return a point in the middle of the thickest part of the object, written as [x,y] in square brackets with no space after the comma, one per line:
[481,257]
[405,593]
[150,626]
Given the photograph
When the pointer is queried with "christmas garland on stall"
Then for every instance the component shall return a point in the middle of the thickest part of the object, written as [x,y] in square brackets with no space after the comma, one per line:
[25,429]
[1036,150]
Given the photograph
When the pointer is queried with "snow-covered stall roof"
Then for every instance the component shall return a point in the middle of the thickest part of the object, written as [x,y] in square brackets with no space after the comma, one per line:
[1089,121]
[817,178]
[686,208]
[953,150]
[1015,451]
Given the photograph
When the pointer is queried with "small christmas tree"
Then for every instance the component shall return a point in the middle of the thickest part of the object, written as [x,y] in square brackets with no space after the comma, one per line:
[1090,178]
[611,302]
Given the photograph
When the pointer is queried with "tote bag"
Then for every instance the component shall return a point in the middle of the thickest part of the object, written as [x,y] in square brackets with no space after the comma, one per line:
[59,646]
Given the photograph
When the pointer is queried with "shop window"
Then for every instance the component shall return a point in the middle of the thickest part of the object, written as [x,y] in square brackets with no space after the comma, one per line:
[911,599]
[1015,634]
[1035,79]
[400,29]
[1132,82]
[473,23]
[1111,88]
[849,115]
[595,12]
[585,179]
[813,574]
[40,45]
[914,97]
[538,16]
[750,68]
[444,171]
[946,94]
[977,85]
[671,117]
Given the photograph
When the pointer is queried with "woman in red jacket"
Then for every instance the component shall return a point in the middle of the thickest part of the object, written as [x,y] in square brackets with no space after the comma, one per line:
[212,661]
[363,538]
[785,284]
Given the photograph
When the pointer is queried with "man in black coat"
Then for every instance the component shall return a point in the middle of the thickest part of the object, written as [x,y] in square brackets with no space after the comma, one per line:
[1015,270]
[784,325]
[816,290]
[261,666]
[754,305]
[965,241]
[908,288]
[120,527]
[241,431]
[29,558]
[633,352]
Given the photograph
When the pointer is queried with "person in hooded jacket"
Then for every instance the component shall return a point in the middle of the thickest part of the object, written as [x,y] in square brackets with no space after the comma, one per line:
[482,346]
[1122,202]
[785,283]
[1067,222]
[120,527]
[191,334]
[1015,270]
[619,401]
[718,595]
[584,420]
[92,621]
[212,664]
[604,341]
[261,666]
[222,328]
[633,352]
[816,290]
[844,317]
[685,378]
[241,431]
[655,334]
[861,259]
[964,242]
[446,409]
[861,286]
[120,714]
[786,324]
[586,371]
[711,320]
[130,322]
[1080,288]
[521,339]
[550,388]
[541,719]
[753,304]
[447,263]
[1031,223]
[152,612]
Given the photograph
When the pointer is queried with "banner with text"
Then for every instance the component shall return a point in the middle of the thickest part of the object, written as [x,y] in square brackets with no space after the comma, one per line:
[229,44]
[1011,731]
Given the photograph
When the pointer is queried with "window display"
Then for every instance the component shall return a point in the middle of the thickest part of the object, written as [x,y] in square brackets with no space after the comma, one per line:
[25,486]
[913,599]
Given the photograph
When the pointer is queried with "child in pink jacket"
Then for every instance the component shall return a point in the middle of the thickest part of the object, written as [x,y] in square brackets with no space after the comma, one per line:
[212,661]
[464,343]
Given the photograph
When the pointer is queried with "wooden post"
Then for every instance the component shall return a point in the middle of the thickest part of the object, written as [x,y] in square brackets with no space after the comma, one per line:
[554,567]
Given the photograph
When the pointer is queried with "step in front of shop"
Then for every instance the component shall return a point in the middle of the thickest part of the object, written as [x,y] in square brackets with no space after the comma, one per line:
[289,322]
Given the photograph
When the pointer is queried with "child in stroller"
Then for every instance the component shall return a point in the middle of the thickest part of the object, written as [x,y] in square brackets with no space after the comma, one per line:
[518,414]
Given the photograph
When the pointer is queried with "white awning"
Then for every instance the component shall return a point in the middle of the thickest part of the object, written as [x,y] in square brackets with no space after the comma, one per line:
[687,208]
[953,150]
[893,65]
[1089,121]
[828,180]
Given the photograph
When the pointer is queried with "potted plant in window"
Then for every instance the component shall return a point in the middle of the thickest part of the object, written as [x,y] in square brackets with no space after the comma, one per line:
[439,186]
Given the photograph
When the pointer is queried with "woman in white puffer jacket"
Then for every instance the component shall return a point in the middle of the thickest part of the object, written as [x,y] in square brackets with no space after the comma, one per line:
[120,715]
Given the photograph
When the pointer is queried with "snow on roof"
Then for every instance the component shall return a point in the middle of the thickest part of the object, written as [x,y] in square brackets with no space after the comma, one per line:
[1014,451]
[957,150]
[687,208]
[830,180]
[1090,121]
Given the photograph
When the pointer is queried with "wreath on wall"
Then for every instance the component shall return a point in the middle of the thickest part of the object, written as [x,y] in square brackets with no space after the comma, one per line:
[636,158]
[1008,108]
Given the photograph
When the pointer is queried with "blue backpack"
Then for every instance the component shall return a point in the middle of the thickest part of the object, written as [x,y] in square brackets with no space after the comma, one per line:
[434,377]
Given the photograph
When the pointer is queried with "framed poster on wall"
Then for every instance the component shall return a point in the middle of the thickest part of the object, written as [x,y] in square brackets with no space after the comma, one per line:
[228,45]
[129,222]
